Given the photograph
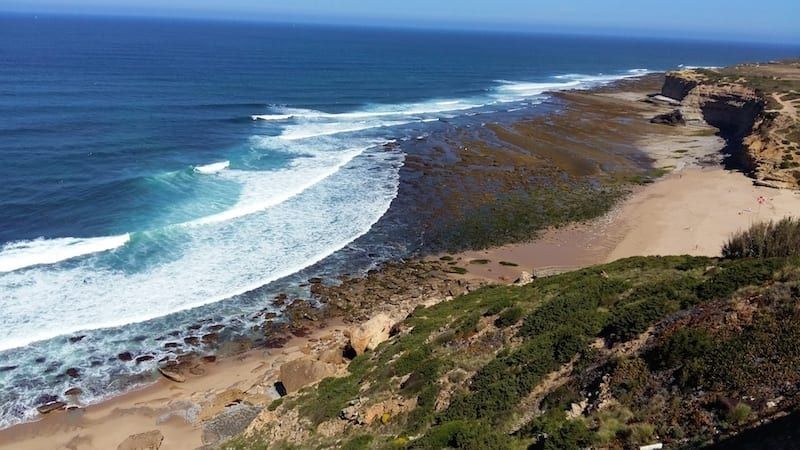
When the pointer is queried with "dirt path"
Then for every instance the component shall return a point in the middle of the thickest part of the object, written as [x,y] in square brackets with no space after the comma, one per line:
[788,107]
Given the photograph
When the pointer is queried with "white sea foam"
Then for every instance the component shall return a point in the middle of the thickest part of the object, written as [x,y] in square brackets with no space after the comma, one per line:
[215,259]
[212,168]
[272,116]
[276,187]
[303,124]
[22,254]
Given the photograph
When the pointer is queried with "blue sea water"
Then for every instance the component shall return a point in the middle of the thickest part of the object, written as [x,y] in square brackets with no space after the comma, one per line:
[150,167]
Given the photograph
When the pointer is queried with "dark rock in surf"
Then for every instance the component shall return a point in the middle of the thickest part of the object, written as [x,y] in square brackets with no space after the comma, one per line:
[171,375]
[73,372]
[50,407]
[73,391]
[671,118]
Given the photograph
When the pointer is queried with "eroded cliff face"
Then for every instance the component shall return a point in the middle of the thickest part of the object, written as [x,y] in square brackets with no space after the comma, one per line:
[677,85]
[760,139]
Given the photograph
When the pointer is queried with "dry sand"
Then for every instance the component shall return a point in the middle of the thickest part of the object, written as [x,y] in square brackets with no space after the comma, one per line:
[692,211]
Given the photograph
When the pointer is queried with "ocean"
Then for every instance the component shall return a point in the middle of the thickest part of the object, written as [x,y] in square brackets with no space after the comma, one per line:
[158,174]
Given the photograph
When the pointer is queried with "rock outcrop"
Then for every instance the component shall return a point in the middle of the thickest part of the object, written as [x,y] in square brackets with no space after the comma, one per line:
[677,85]
[671,118]
[150,440]
[51,406]
[172,375]
[304,371]
[371,333]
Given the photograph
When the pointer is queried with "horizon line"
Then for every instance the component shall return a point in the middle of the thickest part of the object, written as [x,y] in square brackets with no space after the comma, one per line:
[513,29]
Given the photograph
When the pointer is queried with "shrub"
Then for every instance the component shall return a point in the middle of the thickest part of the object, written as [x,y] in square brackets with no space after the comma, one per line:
[739,414]
[632,319]
[498,306]
[331,395]
[463,435]
[508,317]
[561,398]
[572,435]
[423,414]
[765,240]
[682,347]
[738,274]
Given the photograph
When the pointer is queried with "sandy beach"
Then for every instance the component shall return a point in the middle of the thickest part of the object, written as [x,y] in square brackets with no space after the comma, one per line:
[691,210]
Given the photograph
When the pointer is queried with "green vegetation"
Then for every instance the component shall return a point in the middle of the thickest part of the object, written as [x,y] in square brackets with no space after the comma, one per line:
[517,216]
[678,349]
[766,239]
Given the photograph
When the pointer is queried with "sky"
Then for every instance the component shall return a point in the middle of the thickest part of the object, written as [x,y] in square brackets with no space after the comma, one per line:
[750,20]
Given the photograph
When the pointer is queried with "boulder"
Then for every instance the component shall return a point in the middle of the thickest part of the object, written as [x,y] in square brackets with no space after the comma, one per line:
[230,422]
[73,391]
[304,371]
[150,440]
[370,334]
[671,118]
[171,375]
[50,407]
[332,355]
[143,358]
[524,278]
[125,356]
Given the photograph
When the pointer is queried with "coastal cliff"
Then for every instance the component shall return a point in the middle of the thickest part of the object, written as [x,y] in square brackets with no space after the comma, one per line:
[755,108]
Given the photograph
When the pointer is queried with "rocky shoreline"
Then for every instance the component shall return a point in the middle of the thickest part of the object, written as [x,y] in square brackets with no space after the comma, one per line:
[308,343]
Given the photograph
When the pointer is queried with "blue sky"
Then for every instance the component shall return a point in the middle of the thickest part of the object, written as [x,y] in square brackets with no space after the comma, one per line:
[762,20]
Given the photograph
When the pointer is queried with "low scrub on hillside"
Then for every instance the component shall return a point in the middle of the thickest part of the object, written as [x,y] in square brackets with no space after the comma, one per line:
[682,350]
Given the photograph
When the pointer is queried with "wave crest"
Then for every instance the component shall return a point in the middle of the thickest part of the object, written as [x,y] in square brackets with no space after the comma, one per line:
[22,254]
